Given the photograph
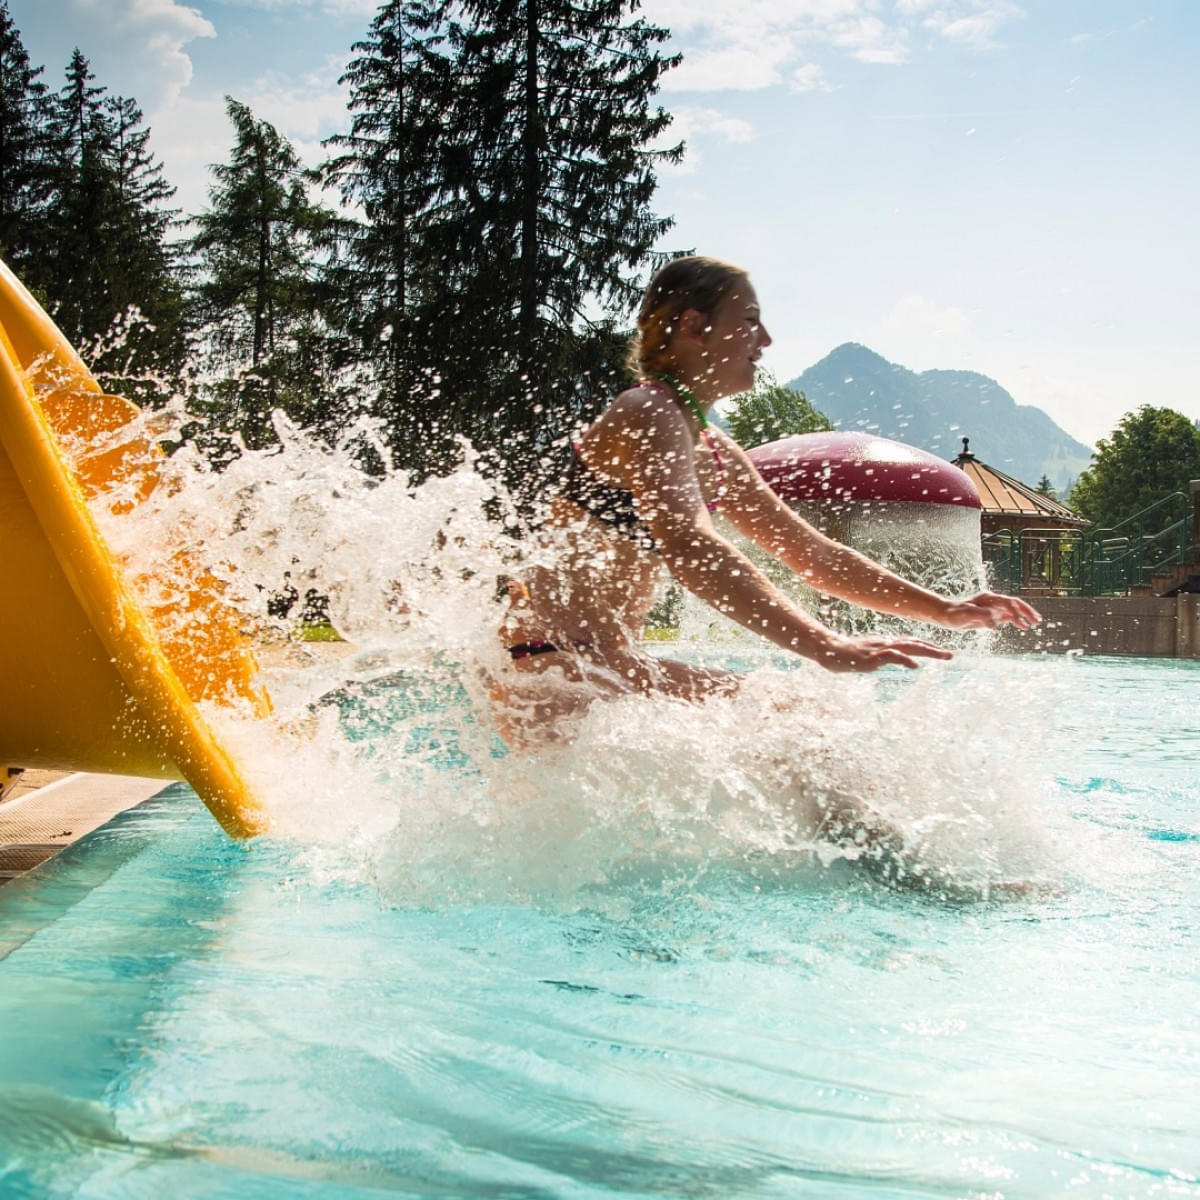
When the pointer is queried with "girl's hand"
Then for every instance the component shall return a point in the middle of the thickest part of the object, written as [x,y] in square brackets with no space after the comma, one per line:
[988,611]
[871,653]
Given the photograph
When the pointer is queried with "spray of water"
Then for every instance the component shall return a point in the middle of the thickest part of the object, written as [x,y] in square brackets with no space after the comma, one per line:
[382,759]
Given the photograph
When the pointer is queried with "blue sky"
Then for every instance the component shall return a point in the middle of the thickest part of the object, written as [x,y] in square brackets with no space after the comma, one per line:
[976,184]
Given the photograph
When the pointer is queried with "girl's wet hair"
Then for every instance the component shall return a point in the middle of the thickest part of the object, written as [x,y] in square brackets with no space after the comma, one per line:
[693,281]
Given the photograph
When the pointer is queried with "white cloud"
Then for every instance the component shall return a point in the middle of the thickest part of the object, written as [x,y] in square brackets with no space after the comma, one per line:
[193,132]
[810,78]
[307,108]
[1104,35]
[871,40]
[696,126]
[1086,389]
[692,121]
[918,334]
[731,45]
[732,16]
[188,137]
[335,8]
[148,39]
[975,26]
[731,68]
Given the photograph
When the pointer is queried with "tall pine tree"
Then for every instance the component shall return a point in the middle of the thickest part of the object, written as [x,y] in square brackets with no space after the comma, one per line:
[560,175]
[145,261]
[260,290]
[24,173]
[385,167]
[388,170]
[79,265]
[109,251]
[521,220]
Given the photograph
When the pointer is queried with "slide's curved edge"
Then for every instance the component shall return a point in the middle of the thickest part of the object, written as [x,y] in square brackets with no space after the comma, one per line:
[95,578]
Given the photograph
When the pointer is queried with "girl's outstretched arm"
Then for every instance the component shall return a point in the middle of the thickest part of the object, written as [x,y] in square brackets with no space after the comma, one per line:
[756,511]
[649,449]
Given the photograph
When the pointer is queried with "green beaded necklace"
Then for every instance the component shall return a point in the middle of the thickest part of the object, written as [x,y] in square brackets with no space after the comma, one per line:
[702,421]
[683,392]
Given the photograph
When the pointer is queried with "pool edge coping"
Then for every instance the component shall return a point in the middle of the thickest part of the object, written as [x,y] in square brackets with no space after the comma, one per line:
[38,824]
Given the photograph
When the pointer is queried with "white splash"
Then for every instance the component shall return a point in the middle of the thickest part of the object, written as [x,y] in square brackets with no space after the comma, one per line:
[381,759]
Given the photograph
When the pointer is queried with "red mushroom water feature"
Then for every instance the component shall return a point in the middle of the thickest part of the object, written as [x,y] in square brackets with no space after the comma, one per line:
[860,469]
[903,506]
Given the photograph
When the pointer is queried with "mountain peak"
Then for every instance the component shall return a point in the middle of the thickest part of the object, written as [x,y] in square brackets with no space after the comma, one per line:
[855,354]
[857,388]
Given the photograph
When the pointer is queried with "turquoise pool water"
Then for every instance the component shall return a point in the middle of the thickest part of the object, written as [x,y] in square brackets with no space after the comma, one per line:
[186,1017]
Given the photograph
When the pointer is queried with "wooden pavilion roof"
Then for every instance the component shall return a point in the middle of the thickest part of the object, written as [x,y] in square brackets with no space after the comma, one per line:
[1002,495]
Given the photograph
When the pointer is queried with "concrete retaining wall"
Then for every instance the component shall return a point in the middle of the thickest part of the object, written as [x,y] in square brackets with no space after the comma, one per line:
[1142,626]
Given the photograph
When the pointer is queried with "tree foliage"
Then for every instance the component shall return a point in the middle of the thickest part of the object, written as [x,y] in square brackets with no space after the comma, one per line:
[103,260]
[24,167]
[387,270]
[503,158]
[562,163]
[84,217]
[261,287]
[772,411]
[1151,453]
[495,227]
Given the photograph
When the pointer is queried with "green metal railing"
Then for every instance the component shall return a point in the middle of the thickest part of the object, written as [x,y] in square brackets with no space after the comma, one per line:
[1092,562]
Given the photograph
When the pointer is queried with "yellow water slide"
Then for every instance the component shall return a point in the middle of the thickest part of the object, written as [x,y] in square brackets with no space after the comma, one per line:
[94,678]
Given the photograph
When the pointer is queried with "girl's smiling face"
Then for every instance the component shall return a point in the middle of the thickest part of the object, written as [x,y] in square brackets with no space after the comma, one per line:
[733,341]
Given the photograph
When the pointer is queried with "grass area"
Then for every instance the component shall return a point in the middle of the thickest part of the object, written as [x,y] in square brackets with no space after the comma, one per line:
[319,632]
[659,633]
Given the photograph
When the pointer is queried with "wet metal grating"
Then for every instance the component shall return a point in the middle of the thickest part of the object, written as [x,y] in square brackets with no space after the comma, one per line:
[16,858]
[37,824]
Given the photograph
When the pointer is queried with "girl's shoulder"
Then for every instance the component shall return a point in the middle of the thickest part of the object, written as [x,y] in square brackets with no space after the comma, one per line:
[644,406]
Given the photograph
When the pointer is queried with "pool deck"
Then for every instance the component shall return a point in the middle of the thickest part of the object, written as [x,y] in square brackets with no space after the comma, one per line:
[46,811]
